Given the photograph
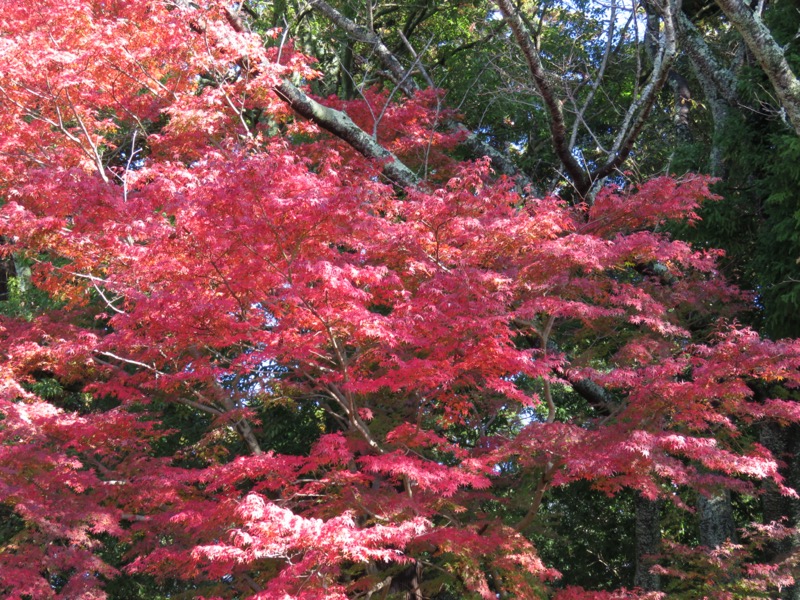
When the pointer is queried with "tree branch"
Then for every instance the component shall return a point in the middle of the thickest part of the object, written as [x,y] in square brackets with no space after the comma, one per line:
[580,112]
[399,75]
[337,122]
[554,105]
[768,54]
[536,501]
[500,162]
[342,126]
[639,110]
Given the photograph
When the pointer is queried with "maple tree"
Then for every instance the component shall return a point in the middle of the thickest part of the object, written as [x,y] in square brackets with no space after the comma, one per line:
[215,244]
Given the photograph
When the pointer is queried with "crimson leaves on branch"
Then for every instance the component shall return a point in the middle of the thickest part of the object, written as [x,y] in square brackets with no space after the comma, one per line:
[203,248]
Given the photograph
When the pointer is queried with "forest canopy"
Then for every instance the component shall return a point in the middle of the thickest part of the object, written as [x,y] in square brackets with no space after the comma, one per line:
[399,300]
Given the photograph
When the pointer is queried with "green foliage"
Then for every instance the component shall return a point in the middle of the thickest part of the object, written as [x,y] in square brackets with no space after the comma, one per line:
[24,299]
[70,397]
[289,427]
[573,536]
[128,586]
[779,239]
[758,222]
[10,524]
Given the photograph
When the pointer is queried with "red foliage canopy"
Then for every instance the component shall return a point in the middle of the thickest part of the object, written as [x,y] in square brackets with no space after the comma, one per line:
[191,249]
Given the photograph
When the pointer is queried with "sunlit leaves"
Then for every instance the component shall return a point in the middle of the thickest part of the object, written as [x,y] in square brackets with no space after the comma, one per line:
[244,264]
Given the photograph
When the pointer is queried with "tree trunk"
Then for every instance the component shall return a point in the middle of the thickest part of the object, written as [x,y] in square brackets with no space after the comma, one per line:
[648,542]
[784,443]
[22,271]
[716,519]
[683,103]
[718,84]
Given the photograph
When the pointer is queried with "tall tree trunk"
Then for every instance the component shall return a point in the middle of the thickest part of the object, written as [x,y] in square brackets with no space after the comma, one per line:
[716,519]
[683,102]
[715,513]
[784,443]
[718,84]
[22,271]
[346,64]
[648,542]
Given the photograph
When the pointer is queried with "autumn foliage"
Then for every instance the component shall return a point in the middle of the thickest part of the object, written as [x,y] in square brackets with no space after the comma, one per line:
[203,249]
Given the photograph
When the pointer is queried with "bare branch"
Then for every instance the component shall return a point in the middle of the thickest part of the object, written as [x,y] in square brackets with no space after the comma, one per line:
[536,501]
[338,123]
[130,361]
[639,110]
[202,407]
[343,127]
[558,127]
[134,517]
[108,302]
[768,54]
[399,75]
[60,125]
[95,154]
[579,120]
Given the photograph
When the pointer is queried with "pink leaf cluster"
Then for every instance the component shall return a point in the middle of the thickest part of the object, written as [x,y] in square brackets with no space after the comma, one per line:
[224,267]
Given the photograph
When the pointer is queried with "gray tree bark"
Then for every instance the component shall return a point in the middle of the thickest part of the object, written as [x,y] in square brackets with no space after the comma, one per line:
[717,82]
[634,119]
[784,443]
[340,125]
[648,542]
[716,519]
[768,54]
